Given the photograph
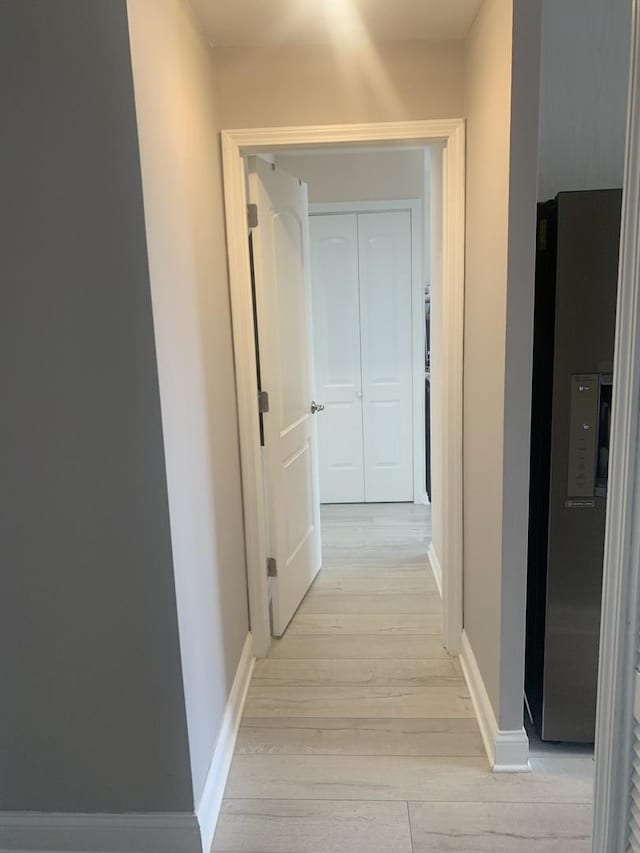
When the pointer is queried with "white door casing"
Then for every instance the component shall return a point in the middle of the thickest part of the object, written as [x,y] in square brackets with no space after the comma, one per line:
[283,308]
[236,145]
[384,251]
[336,337]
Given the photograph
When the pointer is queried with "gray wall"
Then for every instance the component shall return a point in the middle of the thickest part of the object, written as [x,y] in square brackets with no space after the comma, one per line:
[359,175]
[502,110]
[182,185]
[488,92]
[583,94]
[92,716]
[525,68]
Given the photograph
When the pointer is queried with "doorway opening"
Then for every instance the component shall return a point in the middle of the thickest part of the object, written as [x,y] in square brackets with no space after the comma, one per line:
[341,293]
[291,470]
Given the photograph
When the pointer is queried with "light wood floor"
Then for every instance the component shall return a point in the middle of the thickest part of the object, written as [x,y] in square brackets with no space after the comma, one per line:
[359,735]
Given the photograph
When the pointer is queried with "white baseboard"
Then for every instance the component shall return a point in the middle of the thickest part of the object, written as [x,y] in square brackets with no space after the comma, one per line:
[507,751]
[209,806]
[435,566]
[163,832]
[109,833]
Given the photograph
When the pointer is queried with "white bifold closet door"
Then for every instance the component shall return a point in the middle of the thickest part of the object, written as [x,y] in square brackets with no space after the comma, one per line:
[361,288]
[384,260]
[336,335]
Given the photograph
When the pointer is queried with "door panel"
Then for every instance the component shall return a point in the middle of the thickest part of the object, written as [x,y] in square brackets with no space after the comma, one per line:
[384,250]
[291,317]
[336,330]
[283,307]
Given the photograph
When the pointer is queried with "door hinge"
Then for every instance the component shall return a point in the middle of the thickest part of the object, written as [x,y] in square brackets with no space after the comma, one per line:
[272,567]
[263,402]
[252,215]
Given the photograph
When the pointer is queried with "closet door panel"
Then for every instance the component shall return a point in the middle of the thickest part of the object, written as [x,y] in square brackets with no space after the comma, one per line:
[384,250]
[336,329]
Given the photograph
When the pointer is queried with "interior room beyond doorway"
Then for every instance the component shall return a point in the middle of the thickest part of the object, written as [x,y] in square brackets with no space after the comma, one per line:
[351,345]
[370,214]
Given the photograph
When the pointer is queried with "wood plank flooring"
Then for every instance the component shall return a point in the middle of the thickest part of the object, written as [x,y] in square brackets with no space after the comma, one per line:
[359,734]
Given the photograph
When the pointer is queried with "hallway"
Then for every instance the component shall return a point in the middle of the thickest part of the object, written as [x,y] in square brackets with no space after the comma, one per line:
[359,732]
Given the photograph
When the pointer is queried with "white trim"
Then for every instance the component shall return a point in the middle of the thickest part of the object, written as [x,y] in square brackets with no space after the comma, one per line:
[511,752]
[435,238]
[211,800]
[258,140]
[450,385]
[436,567]
[236,144]
[507,751]
[117,833]
[620,623]
[414,206]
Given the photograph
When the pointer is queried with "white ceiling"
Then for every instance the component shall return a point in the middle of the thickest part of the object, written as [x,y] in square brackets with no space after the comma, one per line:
[262,22]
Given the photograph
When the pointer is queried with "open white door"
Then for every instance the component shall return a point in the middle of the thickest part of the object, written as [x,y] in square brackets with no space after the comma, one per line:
[283,308]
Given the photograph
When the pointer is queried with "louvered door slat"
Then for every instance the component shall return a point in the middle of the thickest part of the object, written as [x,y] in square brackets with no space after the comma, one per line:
[633,838]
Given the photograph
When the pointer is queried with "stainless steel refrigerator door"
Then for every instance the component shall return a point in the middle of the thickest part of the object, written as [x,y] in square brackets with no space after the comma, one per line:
[588,241]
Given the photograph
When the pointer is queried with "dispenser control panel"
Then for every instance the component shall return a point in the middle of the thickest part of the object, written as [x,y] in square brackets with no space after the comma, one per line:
[583,432]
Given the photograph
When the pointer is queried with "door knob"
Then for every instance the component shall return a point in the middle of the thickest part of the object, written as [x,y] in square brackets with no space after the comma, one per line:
[316,407]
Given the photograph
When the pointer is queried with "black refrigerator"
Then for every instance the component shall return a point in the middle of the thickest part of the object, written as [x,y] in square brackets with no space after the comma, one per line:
[574,324]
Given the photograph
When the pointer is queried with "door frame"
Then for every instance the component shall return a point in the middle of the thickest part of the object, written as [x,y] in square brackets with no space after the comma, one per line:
[618,677]
[414,206]
[236,144]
